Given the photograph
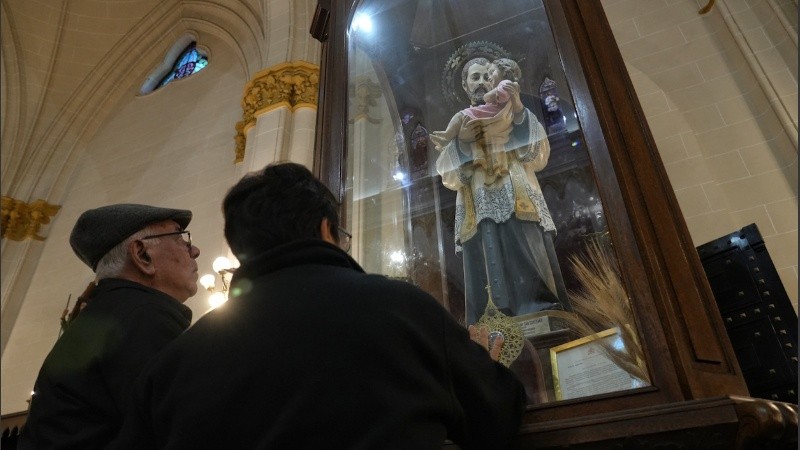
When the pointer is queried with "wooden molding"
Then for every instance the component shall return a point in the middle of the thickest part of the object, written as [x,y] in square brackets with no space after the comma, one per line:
[724,422]
[12,424]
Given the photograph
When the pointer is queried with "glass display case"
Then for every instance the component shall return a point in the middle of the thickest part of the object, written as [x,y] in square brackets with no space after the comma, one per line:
[494,154]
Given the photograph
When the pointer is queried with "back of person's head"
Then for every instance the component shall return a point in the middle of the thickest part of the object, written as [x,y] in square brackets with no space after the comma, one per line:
[282,203]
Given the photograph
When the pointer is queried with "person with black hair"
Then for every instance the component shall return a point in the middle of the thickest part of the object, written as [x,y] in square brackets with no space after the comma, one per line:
[311,352]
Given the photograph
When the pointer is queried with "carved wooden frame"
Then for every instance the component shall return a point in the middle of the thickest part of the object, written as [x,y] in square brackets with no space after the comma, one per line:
[694,371]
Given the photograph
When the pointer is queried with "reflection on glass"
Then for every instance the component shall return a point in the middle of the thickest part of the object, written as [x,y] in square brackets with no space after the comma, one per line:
[467,174]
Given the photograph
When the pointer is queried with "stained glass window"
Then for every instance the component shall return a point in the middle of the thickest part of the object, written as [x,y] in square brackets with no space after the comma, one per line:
[191,61]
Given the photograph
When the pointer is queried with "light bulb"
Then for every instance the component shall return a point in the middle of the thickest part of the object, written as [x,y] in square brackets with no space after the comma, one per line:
[220,264]
[208,281]
[217,299]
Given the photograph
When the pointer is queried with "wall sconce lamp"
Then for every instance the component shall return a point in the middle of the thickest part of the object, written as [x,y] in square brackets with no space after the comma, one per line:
[223,267]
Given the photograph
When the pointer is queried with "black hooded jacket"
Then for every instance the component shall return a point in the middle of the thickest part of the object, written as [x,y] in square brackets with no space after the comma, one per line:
[311,352]
[85,383]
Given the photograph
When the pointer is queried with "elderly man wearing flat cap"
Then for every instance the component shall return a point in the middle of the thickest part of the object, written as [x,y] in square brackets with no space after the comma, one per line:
[146,269]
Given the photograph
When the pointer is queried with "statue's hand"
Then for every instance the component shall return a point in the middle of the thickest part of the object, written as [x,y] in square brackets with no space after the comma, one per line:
[513,91]
[472,131]
[439,140]
[480,335]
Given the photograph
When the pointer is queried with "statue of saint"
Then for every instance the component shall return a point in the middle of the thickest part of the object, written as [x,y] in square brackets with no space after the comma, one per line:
[490,153]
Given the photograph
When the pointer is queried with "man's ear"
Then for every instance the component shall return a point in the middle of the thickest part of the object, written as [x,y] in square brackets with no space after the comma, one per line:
[140,258]
[325,232]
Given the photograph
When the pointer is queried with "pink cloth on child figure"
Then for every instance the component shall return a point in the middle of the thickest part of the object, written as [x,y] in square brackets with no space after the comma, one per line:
[490,109]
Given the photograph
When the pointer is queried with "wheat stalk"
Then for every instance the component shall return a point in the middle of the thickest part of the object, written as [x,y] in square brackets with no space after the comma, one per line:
[602,303]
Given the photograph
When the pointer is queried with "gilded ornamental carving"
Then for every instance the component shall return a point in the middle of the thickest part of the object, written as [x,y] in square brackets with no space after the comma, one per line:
[22,221]
[293,85]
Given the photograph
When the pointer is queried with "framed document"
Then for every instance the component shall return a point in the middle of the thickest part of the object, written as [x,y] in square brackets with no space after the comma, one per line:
[583,367]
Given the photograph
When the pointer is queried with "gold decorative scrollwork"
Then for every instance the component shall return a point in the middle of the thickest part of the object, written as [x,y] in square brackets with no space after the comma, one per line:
[497,322]
[22,221]
[293,85]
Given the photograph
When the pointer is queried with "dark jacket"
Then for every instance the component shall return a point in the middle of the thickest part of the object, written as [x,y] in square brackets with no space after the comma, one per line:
[85,382]
[311,352]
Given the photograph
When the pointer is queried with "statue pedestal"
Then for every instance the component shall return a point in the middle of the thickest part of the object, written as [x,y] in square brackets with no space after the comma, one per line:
[541,323]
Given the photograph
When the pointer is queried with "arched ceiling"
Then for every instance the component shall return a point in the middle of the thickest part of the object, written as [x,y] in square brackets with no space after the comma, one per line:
[67,63]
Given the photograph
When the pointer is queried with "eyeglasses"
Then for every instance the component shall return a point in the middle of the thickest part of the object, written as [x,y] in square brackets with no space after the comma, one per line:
[345,239]
[188,240]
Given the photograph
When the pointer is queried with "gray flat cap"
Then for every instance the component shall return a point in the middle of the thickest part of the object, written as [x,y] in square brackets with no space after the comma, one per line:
[99,230]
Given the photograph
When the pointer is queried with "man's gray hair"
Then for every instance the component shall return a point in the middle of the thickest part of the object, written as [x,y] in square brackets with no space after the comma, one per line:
[112,263]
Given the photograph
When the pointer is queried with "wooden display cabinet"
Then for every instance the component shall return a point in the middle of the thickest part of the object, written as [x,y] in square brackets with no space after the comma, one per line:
[382,94]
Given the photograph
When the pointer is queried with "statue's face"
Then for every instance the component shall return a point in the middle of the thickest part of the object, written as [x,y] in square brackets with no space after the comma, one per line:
[477,82]
[495,75]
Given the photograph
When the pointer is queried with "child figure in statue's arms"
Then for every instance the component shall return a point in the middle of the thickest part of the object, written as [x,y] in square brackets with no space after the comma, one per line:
[502,104]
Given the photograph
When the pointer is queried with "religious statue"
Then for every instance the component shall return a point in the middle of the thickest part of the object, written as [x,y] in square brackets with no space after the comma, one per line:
[489,154]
